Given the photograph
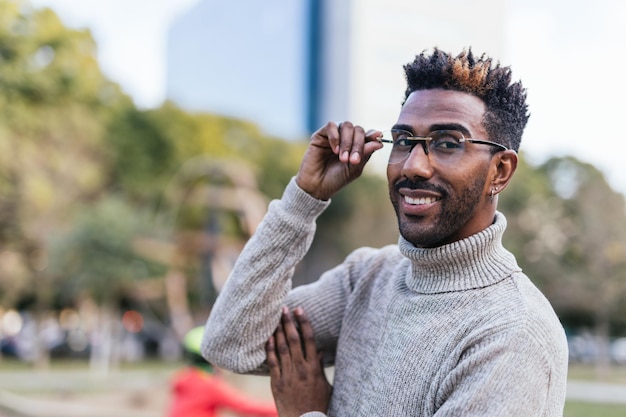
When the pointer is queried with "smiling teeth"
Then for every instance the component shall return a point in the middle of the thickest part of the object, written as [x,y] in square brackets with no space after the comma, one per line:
[420,200]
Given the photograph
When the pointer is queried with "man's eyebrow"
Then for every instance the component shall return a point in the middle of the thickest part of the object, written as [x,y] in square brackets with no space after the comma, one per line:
[400,126]
[439,126]
[451,126]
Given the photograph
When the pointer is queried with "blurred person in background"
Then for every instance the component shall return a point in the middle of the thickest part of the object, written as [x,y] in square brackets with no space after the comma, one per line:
[444,323]
[198,390]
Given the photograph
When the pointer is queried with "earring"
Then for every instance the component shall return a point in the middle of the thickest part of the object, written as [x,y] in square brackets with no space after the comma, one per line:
[492,193]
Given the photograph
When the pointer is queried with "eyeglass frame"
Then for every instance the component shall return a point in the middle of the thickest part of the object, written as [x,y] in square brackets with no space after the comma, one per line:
[424,139]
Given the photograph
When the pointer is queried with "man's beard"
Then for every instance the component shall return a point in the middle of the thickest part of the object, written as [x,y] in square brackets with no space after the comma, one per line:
[456,210]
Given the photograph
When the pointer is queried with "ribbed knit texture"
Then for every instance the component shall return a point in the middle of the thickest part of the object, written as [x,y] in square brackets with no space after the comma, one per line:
[456,330]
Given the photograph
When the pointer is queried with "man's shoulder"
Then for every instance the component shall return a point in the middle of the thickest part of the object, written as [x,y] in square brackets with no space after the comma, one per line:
[530,295]
[370,257]
[524,311]
[539,311]
[367,265]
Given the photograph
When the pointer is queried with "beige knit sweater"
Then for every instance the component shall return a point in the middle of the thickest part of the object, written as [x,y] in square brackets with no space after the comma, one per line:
[456,330]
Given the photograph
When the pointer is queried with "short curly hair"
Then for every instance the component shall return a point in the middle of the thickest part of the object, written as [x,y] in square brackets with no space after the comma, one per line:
[506,111]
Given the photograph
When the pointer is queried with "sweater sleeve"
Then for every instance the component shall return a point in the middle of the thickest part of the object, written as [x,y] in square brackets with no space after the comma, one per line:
[247,310]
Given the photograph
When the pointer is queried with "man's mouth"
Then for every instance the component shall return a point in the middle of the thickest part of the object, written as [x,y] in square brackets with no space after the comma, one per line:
[419,200]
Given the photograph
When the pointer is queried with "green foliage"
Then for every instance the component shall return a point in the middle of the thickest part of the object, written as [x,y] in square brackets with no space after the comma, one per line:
[143,157]
[54,106]
[150,147]
[95,257]
[45,65]
[276,162]
[54,103]
[70,139]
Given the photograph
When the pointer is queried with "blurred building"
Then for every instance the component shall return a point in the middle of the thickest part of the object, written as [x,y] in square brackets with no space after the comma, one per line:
[292,65]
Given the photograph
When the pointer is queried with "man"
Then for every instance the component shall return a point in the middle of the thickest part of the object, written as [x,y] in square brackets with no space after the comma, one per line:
[442,324]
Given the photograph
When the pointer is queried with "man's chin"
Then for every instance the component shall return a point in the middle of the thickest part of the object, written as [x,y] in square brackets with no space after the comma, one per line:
[419,240]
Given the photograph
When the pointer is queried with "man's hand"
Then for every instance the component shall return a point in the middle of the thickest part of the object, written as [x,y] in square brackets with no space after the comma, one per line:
[336,156]
[298,382]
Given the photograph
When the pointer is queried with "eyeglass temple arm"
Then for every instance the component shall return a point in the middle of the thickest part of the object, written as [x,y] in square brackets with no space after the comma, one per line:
[486,142]
[415,140]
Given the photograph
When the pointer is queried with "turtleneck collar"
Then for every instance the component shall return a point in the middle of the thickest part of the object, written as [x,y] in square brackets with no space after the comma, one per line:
[477,261]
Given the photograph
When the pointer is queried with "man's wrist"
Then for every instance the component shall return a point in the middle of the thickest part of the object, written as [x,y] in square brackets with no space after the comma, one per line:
[296,200]
[305,189]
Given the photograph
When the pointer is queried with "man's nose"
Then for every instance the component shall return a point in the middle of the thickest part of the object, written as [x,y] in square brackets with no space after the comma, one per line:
[417,163]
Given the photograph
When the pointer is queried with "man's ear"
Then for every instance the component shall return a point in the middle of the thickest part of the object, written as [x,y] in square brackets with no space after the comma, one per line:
[504,166]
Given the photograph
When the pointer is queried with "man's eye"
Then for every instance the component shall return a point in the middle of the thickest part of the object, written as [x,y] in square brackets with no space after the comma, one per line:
[446,144]
[446,141]
[401,138]
[403,142]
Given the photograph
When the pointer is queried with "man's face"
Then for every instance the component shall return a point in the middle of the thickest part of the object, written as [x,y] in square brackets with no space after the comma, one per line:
[437,203]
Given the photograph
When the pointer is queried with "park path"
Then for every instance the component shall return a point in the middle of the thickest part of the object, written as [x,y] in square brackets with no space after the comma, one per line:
[596,392]
[136,393]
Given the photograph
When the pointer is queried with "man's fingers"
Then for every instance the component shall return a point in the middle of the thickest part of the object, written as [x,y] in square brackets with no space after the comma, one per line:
[306,331]
[372,143]
[330,131]
[358,140]
[351,141]
[272,359]
[293,337]
[346,130]
[282,349]
[345,140]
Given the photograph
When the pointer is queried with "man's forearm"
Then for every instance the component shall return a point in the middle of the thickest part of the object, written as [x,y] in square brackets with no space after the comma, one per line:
[248,310]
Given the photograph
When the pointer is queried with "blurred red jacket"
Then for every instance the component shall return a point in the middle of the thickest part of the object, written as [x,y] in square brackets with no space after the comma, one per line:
[200,394]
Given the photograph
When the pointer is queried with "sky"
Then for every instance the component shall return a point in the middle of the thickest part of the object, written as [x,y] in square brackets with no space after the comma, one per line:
[569,54]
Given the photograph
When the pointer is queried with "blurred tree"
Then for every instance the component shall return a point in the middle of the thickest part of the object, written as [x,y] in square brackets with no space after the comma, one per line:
[569,227]
[148,148]
[54,104]
[95,259]
[194,169]
[211,207]
[69,138]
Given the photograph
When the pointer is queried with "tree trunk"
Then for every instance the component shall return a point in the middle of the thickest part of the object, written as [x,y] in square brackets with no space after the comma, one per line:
[105,338]
[602,337]
[176,294]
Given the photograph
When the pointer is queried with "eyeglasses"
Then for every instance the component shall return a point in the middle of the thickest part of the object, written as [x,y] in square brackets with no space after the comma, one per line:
[443,146]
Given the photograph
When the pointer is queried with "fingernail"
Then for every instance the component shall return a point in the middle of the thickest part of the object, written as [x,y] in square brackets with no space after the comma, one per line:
[345,155]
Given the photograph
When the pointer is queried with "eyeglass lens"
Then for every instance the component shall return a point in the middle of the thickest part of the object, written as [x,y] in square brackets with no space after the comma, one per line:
[442,146]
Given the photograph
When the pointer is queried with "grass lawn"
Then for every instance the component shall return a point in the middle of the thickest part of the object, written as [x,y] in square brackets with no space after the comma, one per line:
[578,409]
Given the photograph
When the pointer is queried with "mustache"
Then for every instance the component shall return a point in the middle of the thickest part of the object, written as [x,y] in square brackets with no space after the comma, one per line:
[419,185]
